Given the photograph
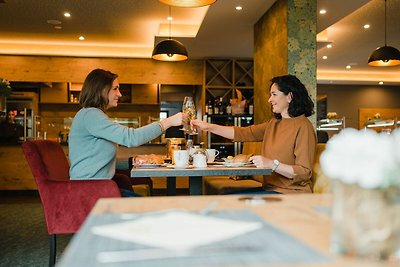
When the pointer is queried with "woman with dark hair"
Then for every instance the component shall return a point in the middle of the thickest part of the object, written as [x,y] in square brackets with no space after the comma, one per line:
[288,139]
[93,137]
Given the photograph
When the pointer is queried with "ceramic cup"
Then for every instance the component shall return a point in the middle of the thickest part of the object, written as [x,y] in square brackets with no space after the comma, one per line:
[181,158]
[211,154]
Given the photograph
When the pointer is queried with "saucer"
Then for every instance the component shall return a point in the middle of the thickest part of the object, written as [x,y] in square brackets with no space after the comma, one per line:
[182,167]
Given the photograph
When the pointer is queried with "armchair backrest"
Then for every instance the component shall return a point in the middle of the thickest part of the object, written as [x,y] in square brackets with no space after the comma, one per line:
[47,160]
[66,202]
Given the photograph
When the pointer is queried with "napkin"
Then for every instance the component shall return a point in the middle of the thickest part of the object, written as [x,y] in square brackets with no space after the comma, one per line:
[176,230]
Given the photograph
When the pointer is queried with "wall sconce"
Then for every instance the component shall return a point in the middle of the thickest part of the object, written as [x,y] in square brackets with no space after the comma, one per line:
[384,56]
[188,3]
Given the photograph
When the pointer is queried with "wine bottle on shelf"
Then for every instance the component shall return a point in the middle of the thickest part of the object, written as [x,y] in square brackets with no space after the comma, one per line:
[210,108]
[216,103]
[229,109]
[220,106]
[251,107]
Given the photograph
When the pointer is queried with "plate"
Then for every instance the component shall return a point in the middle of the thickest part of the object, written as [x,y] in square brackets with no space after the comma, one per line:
[237,164]
[148,166]
[183,167]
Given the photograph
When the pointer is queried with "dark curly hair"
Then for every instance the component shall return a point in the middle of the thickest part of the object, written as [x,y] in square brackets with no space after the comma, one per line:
[301,101]
[95,89]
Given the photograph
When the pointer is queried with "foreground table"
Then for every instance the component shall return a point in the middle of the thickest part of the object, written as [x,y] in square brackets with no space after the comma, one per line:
[195,175]
[303,218]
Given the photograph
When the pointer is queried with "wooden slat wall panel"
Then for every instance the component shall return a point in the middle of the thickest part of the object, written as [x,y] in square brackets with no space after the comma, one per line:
[74,69]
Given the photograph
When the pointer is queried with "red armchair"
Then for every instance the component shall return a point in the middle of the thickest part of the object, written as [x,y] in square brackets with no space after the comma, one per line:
[66,202]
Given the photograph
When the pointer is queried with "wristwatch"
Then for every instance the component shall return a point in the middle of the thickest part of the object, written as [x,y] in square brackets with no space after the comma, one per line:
[275,165]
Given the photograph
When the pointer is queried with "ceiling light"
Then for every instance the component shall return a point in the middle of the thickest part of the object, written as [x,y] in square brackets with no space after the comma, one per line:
[380,83]
[322,11]
[53,22]
[366,26]
[81,38]
[348,67]
[324,57]
[238,8]
[170,49]
[188,3]
[329,46]
[58,27]
[67,14]
[385,55]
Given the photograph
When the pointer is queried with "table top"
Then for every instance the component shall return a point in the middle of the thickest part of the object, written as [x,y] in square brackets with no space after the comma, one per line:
[305,218]
[208,171]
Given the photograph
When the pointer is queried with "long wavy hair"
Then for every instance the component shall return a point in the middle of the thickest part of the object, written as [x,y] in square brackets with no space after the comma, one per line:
[95,89]
[301,101]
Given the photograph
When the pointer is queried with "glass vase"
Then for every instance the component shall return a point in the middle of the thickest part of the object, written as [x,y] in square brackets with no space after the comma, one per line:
[366,222]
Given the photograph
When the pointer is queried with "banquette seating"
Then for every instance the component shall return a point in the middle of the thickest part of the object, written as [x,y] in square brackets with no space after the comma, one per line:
[228,185]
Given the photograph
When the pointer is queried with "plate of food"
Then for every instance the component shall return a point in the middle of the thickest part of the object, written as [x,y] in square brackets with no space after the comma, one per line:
[148,166]
[240,160]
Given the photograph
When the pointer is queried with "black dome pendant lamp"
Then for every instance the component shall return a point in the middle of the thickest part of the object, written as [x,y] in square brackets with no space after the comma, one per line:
[170,49]
[384,56]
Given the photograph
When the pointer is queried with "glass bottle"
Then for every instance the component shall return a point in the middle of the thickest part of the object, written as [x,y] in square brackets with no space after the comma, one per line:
[251,107]
[216,103]
[220,106]
[210,108]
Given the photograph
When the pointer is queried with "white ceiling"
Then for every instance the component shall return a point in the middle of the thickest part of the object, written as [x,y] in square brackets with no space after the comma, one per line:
[131,28]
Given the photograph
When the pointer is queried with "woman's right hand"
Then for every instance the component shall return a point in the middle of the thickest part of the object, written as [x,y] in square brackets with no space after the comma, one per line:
[201,125]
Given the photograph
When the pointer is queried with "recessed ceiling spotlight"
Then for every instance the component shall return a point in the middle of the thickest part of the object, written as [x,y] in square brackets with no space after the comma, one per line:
[238,8]
[366,26]
[329,46]
[169,18]
[324,57]
[348,67]
[67,14]
[58,27]
[322,11]
[81,38]
[380,83]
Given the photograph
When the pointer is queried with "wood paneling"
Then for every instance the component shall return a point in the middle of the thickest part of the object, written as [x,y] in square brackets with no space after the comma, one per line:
[74,69]
[145,94]
[57,93]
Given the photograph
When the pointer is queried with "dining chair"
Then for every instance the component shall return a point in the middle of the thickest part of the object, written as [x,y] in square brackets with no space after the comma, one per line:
[66,203]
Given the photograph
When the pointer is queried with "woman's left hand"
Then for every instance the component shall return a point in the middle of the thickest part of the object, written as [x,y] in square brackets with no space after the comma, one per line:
[262,162]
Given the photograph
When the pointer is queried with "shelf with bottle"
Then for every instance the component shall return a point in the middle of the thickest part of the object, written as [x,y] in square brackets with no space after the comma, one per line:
[382,125]
[331,124]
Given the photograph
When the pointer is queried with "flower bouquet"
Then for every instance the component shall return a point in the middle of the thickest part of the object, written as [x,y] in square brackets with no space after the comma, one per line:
[365,168]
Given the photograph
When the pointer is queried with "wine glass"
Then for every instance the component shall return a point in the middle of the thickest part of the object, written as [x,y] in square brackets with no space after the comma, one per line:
[189,109]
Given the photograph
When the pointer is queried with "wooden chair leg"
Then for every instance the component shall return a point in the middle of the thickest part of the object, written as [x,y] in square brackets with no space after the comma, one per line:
[53,250]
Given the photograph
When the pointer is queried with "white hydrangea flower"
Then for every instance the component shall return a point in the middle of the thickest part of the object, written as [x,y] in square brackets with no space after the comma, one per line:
[364,157]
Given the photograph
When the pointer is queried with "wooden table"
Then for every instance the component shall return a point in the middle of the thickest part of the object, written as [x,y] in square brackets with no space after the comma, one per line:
[304,217]
[195,175]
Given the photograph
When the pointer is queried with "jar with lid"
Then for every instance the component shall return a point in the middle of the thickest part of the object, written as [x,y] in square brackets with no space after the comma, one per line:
[199,157]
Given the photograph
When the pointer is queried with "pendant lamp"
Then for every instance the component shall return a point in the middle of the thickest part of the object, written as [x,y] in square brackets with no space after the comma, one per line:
[188,3]
[170,49]
[384,56]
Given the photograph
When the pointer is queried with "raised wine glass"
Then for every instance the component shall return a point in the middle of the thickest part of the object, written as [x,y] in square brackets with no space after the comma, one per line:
[189,109]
